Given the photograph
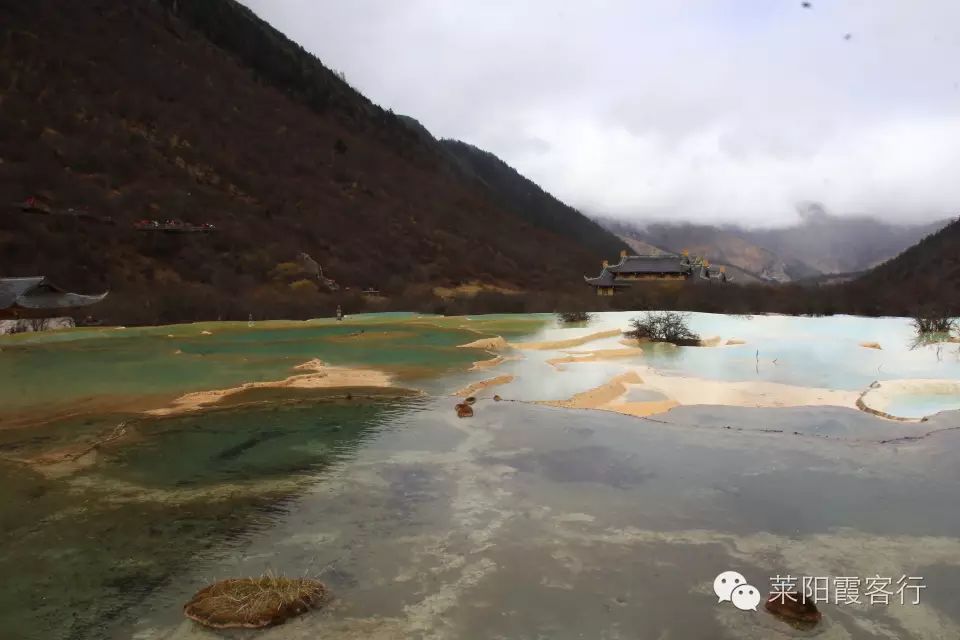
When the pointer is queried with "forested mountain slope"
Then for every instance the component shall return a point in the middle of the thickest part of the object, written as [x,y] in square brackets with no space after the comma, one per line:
[517,193]
[925,277]
[125,110]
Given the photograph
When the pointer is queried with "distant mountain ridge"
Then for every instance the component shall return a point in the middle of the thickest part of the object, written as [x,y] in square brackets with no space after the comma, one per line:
[841,244]
[821,244]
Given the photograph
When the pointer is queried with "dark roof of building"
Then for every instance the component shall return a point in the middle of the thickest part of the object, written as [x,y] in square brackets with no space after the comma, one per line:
[605,279]
[37,293]
[650,264]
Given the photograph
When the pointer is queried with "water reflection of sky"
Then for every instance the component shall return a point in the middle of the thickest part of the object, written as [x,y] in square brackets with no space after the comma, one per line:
[812,352]
[921,405]
[437,526]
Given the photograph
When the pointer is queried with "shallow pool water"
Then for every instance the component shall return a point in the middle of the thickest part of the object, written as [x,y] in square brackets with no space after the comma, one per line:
[815,352]
[534,522]
[524,521]
[97,370]
[803,351]
[922,405]
[87,546]
[108,369]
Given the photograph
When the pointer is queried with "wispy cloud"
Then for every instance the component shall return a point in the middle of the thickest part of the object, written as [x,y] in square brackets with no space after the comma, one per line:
[714,110]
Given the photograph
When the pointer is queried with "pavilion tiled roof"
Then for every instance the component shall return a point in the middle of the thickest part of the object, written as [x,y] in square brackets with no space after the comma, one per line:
[36,292]
[650,264]
[605,279]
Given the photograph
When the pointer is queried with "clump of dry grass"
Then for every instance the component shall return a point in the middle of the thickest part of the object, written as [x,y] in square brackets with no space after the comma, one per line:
[254,602]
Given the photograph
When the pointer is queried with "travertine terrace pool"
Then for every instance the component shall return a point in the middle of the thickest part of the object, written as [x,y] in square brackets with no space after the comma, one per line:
[597,499]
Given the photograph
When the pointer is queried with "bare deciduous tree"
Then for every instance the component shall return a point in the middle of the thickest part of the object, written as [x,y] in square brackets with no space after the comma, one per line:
[663,326]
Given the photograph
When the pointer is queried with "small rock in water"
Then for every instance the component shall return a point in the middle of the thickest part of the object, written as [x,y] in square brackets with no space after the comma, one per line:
[794,609]
[470,400]
[464,410]
[497,398]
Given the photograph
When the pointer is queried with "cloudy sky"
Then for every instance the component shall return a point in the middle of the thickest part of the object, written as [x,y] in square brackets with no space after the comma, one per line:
[707,110]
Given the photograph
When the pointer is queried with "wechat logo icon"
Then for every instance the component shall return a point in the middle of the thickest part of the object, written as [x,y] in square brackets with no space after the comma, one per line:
[733,587]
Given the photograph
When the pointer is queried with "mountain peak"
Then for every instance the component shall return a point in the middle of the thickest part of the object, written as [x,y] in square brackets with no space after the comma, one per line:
[812,213]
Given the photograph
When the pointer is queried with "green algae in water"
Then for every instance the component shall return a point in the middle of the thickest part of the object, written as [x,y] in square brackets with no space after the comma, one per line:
[71,433]
[80,561]
[103,371]
[180,492]
[275,439]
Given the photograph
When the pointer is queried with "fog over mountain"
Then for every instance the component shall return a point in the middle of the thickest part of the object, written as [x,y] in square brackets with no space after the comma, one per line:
[708,110]
[820,243]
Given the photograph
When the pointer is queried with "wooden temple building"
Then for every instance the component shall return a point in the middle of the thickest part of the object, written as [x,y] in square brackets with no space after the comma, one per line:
[35,296]
[665,267]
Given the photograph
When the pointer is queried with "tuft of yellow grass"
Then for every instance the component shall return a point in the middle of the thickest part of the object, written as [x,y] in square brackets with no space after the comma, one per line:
[253,603]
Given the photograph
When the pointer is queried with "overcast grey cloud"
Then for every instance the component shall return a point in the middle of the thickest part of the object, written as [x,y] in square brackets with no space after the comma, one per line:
[707,110]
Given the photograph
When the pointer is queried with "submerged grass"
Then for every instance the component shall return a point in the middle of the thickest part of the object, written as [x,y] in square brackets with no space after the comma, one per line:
[254,602]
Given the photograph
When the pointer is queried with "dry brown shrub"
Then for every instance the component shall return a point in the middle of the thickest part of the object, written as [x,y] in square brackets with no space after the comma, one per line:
[254,602]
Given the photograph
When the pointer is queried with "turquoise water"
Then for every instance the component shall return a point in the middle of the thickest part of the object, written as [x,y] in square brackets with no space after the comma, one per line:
[259,442]
[113,369]
[106,369]
[78,551]
[813,352]
[803,351]
[522,522]
[922,405]
[819,352]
